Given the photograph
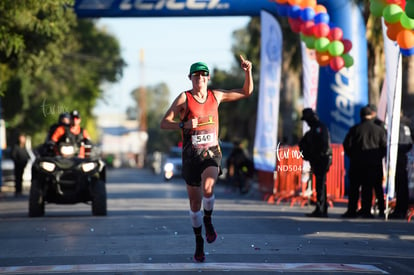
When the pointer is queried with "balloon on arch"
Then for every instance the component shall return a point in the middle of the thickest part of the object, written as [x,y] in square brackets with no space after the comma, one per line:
[398,16]
[311,20]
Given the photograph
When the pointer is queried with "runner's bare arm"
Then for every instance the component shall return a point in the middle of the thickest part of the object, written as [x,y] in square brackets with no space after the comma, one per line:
[174,112]
[245,91]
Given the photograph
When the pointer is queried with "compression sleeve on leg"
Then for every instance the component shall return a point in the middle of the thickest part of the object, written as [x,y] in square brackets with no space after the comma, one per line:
[196,218]
[208,203]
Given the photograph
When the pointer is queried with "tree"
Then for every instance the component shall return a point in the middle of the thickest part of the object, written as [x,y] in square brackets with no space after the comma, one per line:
[50,62]
[157,102]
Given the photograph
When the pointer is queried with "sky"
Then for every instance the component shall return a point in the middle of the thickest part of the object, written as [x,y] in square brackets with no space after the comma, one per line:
[169,45]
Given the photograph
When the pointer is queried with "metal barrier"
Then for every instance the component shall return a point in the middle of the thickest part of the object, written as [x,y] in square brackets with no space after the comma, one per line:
[291,181]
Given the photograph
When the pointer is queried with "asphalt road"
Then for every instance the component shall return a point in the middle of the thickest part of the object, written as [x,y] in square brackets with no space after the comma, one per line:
[148,231]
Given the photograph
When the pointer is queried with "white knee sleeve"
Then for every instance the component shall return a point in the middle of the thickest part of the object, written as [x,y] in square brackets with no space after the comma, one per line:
[208,203]
[196,218]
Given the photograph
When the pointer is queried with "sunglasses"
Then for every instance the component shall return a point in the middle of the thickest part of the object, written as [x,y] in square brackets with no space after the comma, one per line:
[200,73]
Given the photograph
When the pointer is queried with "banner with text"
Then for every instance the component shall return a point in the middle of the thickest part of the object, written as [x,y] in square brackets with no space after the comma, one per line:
[265,143]
[171,8]
[342,94]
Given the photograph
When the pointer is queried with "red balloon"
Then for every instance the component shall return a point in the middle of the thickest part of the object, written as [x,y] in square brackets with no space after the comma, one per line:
[307,28]
[400,3]
[295,24]
[335,34]
[321,30]
[393,30]
[347,45]
[337,63]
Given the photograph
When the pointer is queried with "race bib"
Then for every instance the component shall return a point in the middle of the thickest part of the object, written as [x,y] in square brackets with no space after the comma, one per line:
[203,140]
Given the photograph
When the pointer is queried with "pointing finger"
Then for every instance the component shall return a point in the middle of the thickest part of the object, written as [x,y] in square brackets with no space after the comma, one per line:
[242,58]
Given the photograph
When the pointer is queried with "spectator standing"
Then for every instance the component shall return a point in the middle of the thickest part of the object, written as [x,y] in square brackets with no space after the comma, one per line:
[365,145]
[316,148]
[405,143]
[378,188]
[20,157]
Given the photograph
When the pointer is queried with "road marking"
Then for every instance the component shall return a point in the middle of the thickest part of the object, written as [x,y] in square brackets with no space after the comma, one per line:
[129,267]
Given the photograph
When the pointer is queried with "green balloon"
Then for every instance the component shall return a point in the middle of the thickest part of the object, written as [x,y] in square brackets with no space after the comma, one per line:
[376,7]
[409,9]
[322,44]
[310,42]
[349,61]
[392,13]
[336,48]
[407,22]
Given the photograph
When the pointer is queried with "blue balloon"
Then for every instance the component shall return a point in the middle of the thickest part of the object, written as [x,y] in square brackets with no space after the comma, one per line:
[282,9]
[294,11]
[322,18]
[307,14]
[407,52]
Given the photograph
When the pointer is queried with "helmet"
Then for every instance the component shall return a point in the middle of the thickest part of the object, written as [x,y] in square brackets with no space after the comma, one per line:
[74,113]
[64,115]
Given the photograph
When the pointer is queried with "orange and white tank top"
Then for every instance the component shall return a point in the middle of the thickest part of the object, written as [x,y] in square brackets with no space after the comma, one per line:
[205,135]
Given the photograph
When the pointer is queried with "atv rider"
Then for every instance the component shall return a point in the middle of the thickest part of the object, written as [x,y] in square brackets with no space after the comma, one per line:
[75,134]
[64,120]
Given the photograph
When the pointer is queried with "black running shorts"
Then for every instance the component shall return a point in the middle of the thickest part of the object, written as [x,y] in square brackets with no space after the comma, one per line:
[195,164]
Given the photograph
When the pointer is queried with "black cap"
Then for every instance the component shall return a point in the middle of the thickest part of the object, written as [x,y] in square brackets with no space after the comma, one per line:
[365,111]
[74,113]
[372,107]
[308,113]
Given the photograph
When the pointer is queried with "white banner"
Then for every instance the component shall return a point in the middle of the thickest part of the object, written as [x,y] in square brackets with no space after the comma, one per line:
[310,69]
[393,87]
[265,143]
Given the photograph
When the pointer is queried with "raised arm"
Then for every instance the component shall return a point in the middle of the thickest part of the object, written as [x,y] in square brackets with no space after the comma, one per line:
[238,93]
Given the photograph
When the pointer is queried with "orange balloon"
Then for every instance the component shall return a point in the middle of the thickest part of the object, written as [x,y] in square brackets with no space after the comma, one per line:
[308,4]
[323,58]
[393,30]
[295,2]
[405,39]
[320,9]
[281,1]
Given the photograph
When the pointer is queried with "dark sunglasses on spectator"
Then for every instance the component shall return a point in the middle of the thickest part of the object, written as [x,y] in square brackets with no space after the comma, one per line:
[200,73]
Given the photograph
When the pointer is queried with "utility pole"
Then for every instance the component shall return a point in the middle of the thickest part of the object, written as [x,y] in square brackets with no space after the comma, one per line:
[142,108]
[142,96]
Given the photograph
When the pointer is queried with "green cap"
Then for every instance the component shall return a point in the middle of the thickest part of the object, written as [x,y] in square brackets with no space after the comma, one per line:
[199,66]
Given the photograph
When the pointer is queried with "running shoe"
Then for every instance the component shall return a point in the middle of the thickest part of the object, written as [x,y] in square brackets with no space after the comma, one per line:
[211,234]
[199,252]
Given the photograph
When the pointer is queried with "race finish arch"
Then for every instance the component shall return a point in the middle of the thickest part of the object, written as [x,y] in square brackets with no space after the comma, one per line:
[340,94]
[171,8]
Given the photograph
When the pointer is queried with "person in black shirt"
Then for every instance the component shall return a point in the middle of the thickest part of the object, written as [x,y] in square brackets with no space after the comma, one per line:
[405,143]
[316,148]
[20,158]
[365,145]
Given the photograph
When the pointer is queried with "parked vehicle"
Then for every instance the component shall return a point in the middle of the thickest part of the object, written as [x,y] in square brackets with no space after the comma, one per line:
[68,179]
[173,163]
[7,167]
